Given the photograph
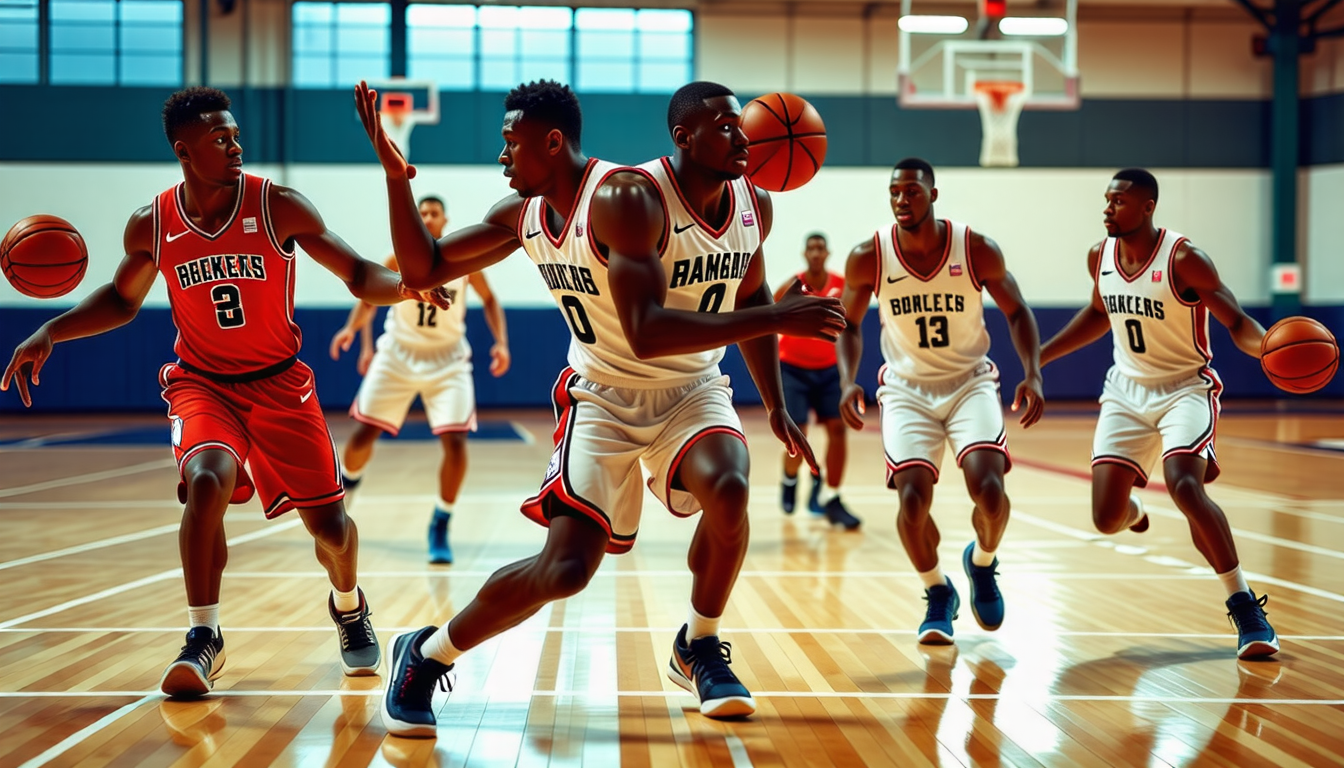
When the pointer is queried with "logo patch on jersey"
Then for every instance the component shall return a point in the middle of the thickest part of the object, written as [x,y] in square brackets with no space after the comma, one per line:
[250,225]
[954,270]
[1157,275]
[578,230]
[748,219]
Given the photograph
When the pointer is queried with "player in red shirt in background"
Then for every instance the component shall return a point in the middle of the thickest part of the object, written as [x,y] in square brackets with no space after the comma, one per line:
[243,409]
[812,383]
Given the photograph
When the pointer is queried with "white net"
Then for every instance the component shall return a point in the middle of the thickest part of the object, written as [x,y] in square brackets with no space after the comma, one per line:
[1000,104]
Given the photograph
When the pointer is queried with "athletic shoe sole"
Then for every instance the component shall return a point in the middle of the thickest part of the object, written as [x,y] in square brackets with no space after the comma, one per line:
[1258,649]
[728,706]
[362,671]
[182,679]
[935,637]
[394,726]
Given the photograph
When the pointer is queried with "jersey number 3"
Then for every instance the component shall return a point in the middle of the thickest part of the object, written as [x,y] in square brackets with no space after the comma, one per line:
[228,305]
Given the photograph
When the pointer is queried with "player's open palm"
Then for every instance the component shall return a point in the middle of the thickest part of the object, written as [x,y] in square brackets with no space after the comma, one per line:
[389,154]
[1029,394]
[792,437]
[26,364]
[813,317]
[852,406]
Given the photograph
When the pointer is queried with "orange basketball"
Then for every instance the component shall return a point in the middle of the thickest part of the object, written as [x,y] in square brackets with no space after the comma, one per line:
[43,256]
[1299,355]
[788,141]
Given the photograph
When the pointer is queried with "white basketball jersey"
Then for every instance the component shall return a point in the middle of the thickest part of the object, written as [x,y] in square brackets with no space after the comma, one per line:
[421,326]
[1158,335]
[932,328]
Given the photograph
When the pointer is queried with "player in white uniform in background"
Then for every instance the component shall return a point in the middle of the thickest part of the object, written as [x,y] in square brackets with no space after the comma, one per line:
[1155,291]
[423,351]
[630,279]
[938,386]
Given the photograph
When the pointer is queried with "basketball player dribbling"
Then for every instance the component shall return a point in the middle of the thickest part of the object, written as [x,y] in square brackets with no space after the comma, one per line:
[1154,292]
[938,386]
[424,352]
[244,411]
[649,314]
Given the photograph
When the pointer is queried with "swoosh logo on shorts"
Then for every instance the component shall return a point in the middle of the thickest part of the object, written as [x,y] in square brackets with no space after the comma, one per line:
[678,230]
[184,233]
[304,399]
[896,279]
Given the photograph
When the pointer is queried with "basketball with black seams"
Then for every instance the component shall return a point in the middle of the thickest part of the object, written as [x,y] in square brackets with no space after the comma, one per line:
[44,256]
[788,141]
[1299,355]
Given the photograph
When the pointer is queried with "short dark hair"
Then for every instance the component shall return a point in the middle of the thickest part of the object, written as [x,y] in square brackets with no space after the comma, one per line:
[187,105]
[691,97]
[815,236]
[551,103]
[1138,178]
[433,199]
[915,164]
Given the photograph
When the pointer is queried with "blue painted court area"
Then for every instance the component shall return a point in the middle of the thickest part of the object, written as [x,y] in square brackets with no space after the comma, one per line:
[414,430]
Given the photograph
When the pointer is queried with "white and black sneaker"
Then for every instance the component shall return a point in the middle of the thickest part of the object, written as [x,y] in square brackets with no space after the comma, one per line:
[201,661]
[408,702]
[360,653]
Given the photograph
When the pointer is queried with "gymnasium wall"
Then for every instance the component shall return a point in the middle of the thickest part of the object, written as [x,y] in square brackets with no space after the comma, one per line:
[1176,92]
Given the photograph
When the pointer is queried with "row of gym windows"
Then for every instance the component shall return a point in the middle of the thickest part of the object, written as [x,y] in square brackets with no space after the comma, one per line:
[336,44]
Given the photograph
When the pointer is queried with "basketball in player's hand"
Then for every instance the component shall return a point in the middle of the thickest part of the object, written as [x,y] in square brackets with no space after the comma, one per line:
[1299,355]
[788,141]
[43,256]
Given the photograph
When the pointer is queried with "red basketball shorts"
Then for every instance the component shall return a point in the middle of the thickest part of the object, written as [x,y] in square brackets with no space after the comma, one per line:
[273,427]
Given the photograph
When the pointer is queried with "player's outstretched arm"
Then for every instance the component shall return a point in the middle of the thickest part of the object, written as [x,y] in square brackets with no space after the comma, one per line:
[1086,327]
[425,263]
[109,306]
[993,274]
[860,274]
[1194,273]
[500,359]
[628,219]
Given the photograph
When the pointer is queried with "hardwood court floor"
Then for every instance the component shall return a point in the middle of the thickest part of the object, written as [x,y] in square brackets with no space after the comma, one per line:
[1116,651]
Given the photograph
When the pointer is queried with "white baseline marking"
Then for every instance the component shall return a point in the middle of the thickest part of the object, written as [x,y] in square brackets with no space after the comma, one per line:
[87,731]
[88,478]
[100,544]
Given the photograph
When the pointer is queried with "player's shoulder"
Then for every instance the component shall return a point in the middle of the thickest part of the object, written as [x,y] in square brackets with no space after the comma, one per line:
[139,234]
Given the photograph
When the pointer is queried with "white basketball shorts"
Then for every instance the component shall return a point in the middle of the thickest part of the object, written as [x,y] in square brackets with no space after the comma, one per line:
[442,379]
[919,418]
[604,434]
[1141,422]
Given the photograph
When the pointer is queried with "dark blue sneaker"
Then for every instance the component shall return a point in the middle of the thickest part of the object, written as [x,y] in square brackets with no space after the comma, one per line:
[439,551]
[814,499]
[942,608]
[702,669]
[408,702]
[837,514]
[351,487]
[986,600]
[788,494]
[194,672]
[1255,638]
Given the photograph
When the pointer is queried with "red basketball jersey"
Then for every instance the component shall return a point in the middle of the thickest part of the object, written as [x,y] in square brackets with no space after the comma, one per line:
[232,291]
[813,354]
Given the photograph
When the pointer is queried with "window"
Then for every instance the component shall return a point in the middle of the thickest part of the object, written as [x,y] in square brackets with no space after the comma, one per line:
[116,42]
[339,44]
[18,41]
[622,49]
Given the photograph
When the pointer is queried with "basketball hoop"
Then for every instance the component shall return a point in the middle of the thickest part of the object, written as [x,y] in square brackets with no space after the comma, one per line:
[394,110]
[1000,103]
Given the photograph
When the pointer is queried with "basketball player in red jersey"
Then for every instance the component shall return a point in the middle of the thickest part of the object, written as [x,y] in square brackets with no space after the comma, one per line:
[812,384]
[224,241]
[1154,292]
[605,271]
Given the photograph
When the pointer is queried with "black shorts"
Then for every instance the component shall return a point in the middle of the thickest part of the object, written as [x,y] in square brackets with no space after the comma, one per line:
[816,390]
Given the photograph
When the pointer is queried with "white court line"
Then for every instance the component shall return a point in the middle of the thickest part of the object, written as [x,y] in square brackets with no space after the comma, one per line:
[523,433]
[1242,533]
[88,478]
[274,529]
[100,544]
[109,504]
[1276,506]
[903,575]
[678,693]
[87,731]
[669,630]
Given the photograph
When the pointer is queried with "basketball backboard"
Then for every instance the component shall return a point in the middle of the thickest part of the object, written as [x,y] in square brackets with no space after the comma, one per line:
[404,104]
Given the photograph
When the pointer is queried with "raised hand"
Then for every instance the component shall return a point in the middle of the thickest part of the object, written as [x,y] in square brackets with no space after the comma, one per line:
[1029,392]
[815,317]
[389,154]
[341,341]
[852,406]
[26,364]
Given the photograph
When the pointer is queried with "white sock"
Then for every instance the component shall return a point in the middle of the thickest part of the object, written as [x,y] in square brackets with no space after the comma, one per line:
[827,493]
[981,556]
[350,474]
[1234,582]
[790,480]
[698,626]
[933,578]
[345,601]
[439,647]
[204,616]
[446,507]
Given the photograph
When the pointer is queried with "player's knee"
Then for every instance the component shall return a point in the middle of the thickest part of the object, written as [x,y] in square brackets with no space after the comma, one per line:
[729,494]
[568,577]
[1110,519]
[1187,491]
[989,495]
[914,501]
[207,487]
